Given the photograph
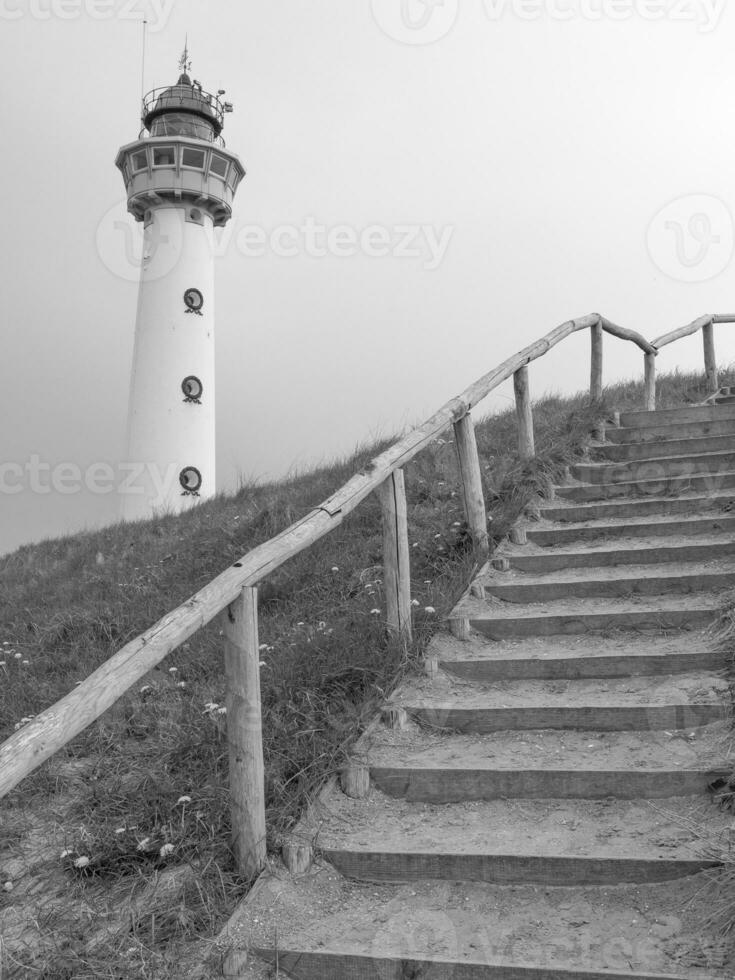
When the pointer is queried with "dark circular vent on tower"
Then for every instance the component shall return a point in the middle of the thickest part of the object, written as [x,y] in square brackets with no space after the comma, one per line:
[192,388]
[191,480]
[193,300]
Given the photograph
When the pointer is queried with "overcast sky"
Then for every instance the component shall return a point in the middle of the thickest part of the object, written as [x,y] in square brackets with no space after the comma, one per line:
[431,186]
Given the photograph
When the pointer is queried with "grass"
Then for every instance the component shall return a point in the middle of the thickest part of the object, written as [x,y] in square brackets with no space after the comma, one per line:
[139,801]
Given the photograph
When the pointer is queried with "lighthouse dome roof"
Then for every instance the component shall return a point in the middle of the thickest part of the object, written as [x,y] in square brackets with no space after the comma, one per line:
[186,96]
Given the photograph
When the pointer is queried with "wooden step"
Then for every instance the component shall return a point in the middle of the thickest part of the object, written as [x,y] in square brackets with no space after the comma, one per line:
[640,570]
[546,842]
[450,717]
[677,416]
[686,430]
[321,926]
[690,447]
[323,964]
[426,766]
[656,468]
[599,531]
[500,620]
[684,504]
[668,485]
[613,705]
[576,658]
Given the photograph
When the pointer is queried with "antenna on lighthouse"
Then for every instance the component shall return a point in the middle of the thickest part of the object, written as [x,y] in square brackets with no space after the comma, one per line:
[142,62]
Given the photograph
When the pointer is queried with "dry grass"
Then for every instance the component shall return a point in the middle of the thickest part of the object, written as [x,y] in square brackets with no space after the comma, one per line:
[156,869]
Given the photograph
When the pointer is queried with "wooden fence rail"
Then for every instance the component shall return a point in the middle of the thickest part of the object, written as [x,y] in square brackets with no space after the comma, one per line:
[233,595]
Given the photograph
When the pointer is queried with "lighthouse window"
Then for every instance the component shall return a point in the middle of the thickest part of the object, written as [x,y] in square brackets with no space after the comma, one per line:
[233,178]
[193,158]
[218,165]
[163,156]
[138,161]
[182,124]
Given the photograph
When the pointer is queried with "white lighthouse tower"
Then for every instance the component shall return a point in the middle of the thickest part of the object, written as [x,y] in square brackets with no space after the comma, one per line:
[180,182]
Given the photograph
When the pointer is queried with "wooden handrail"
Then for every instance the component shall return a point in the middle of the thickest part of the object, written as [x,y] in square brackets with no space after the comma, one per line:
[705,324]
[703,321]
[53,728]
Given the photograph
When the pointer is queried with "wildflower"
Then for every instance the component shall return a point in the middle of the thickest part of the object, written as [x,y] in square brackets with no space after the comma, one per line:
[181,684]
[6,643]
[415,544]
[429,609]
[144,688]
[173,670]
[210,706]
[221,711]
[262,663]
[415,602]
[263,646]
[374,612]
[2,663]
[321,625]
[335,568]
[8,886]
[437,535]
[301,624]
[81,862]
[166,850]
[457,524]
[119,830]
[143,845]
[17,656]
[25,663]
[66,853]
[183,799]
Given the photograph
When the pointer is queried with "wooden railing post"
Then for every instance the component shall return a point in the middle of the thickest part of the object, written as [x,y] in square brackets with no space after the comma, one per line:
[245,733]
[710,361]
[396,562]
[649,371]
[596,362]
[526,448]
[474,499]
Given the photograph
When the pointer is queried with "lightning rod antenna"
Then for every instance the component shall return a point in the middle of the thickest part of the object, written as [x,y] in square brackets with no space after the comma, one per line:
[142,63]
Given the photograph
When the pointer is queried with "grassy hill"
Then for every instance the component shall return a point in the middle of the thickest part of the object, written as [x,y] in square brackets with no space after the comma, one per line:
[139,801]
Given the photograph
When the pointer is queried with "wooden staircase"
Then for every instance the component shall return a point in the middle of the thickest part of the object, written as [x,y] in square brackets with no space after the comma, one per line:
[539,807]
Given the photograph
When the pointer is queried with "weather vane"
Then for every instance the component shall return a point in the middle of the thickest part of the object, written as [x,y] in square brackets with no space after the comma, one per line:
[184,61]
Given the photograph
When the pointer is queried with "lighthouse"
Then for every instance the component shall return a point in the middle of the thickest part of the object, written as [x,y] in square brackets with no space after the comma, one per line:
[180,182]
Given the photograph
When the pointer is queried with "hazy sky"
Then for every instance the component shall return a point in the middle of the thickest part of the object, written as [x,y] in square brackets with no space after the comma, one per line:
[431,186]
